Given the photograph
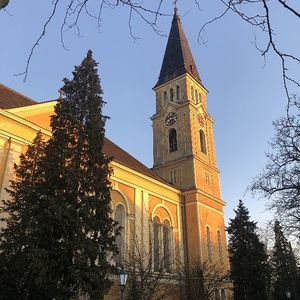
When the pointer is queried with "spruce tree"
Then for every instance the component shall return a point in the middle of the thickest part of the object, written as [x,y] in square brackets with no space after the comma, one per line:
[249,269]
[284,267]
[74,238]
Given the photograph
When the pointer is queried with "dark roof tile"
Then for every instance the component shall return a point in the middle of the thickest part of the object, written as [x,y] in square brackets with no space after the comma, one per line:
[12,99]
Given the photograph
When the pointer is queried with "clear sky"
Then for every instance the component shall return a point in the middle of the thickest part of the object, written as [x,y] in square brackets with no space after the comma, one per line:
[245,95]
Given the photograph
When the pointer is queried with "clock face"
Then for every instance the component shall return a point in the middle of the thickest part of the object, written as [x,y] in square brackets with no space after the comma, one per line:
[201,120]
[171,118]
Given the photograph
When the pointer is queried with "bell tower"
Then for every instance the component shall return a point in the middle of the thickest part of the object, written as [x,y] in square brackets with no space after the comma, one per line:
[183,146]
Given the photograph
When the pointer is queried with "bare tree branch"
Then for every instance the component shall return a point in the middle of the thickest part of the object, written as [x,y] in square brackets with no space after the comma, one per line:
[289,8]
[280,180]
[257,13]
[74,10]
[144,282]
[203,280]
[43,33]
[209,22]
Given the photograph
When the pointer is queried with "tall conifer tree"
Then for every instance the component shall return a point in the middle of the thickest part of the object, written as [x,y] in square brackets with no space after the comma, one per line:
[249,269]
[74,238]
[284,267]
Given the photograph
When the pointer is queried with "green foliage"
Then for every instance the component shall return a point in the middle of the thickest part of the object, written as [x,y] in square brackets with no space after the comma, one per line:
[285,274]
[249,270]
[15,243]
[66,221]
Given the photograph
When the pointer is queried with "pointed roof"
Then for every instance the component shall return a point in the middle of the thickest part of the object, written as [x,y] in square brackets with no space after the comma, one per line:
[178,58]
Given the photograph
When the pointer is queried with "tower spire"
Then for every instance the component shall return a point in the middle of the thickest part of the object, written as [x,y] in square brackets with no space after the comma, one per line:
[178,58]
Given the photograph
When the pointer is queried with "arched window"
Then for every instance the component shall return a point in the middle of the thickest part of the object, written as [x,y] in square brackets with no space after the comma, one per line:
[177,92]
[156,243]
[165,96]
[172,140]
[171,94]
[120,239]
[199,97]
[209,247]
[167,245]
[202,142]
[196,96]
[221,257]
[192,93]
[223,294]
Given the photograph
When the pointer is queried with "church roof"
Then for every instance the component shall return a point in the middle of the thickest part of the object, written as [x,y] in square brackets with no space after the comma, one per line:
[178,58]
[12,99]
[121,156]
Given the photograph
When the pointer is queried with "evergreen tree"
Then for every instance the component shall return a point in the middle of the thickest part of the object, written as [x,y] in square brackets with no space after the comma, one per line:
[15,242]
[249,269]
[73,237]
[284,267]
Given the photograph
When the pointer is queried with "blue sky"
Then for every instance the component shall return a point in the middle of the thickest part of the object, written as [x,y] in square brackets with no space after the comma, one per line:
[245,94]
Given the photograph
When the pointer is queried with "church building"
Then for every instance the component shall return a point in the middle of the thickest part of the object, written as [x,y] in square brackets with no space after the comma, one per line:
[176,206]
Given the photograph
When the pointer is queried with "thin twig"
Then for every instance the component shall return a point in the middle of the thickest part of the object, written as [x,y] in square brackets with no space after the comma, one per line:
[25,73]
